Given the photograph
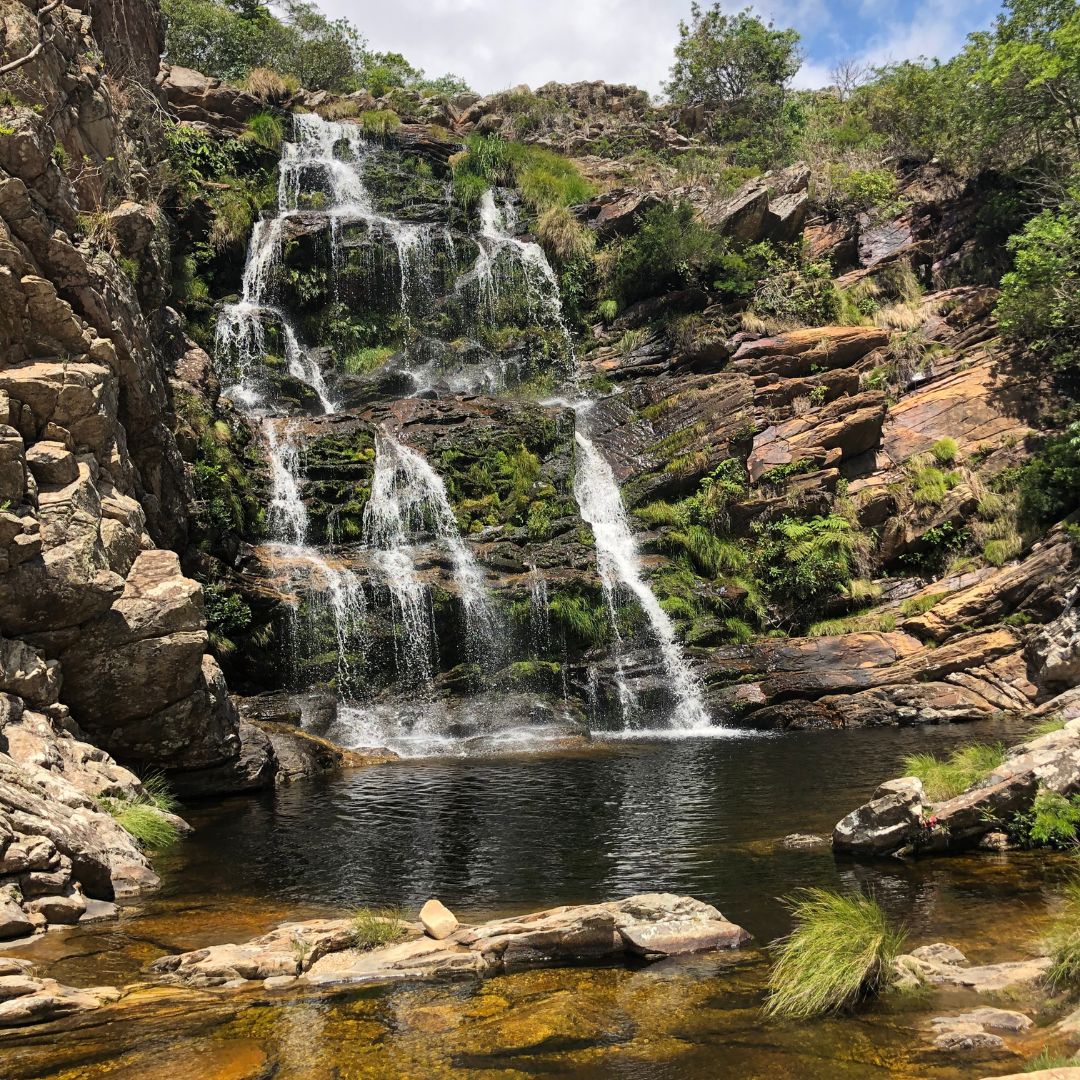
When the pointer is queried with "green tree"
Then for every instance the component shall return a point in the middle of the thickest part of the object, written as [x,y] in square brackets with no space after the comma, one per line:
[1040,296]
[739,67]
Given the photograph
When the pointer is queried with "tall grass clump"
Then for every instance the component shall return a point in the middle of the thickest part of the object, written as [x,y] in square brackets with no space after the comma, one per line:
[146,815]
[374,927]
[266,130]
[944,780]
[1062,940]
[840,952]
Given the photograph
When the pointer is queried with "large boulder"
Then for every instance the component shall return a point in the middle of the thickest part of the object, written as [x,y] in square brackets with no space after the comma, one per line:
[888,822]
[900,819]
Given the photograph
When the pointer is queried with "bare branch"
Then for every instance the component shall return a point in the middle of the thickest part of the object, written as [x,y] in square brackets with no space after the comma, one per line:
[35,51]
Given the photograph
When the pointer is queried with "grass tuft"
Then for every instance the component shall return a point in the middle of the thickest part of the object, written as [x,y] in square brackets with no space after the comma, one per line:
[840,952]
[374,927]
[944,780]
[1062,940]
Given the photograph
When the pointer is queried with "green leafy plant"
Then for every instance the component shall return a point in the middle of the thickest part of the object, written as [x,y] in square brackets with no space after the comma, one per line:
[840,952]
[266,129]
[1062,940]
[1051,821]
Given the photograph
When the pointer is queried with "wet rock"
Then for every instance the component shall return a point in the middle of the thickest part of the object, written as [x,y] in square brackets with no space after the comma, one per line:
[944,965]
[886,823]
[883,826]
[804,842]
[14,922]
[45,1000]
[651,925]
[438,921]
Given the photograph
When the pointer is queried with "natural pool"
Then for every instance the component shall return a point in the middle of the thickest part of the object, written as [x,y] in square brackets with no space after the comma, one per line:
[506,835]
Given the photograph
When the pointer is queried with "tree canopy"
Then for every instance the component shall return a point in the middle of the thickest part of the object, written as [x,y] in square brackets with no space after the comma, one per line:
[230,38]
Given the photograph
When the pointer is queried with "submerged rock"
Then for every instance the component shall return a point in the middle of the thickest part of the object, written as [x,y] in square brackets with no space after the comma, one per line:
[944,965]
[651,925]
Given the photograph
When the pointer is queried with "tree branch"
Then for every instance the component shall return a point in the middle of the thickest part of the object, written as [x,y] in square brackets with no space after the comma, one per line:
[35,51]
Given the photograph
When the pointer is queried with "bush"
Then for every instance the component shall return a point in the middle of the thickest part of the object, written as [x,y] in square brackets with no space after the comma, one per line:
[1051,821]
[374,927]
[1040,296]
[840,952]
[1050,482]
[670,250]
[944,451]
[944,780]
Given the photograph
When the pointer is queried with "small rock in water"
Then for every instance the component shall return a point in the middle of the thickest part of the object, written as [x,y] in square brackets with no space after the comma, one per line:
[438,920]
[803,841]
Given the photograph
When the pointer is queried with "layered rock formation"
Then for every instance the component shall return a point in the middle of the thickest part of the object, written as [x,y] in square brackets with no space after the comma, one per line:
[104,637]
[651,926]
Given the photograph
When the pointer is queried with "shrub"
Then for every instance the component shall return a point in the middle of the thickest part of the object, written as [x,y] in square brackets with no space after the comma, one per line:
[803,560]
[1040,296]
[1050,482]
[671,249]
[792,292]
[607,310]
[1051,821]
[374,927]
[839,953]
[944,780]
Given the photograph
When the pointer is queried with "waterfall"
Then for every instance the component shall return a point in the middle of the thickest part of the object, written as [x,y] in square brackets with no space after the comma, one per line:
[497,239]
[408,499]
[619,563]
[335,591]
[539,612]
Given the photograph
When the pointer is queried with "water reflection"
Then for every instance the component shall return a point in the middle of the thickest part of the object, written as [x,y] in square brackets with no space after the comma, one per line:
[507,835]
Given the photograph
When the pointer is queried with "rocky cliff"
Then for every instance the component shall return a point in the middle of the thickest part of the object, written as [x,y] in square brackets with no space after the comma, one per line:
[104,639]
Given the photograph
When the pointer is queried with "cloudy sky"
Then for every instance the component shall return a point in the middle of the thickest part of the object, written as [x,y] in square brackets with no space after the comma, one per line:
[495,44]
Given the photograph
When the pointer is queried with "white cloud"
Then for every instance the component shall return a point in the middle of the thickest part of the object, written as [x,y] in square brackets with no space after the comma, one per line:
[495,44]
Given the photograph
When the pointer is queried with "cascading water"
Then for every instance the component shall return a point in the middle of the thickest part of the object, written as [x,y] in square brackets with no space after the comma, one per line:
[408,499]
[331,590]
[619,563]
[408,521]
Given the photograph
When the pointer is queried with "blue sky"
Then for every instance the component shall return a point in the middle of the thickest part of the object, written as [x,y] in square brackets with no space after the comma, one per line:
[495,44]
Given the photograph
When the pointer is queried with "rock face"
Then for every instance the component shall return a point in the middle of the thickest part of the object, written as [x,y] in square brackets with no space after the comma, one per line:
[900,819]
[92,484]
[652,925]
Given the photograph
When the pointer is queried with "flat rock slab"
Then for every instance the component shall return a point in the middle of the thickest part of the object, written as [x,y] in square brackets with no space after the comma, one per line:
[651,925]
[944,965]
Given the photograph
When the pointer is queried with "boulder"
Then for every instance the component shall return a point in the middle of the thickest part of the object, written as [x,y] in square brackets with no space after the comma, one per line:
[438,921]
[944,965]
[52,464]
[889,821]
[898,819]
